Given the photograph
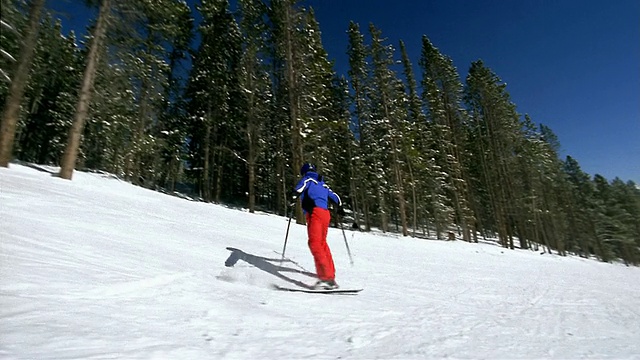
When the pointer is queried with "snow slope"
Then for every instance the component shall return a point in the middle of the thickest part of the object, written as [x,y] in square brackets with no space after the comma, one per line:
[96,268]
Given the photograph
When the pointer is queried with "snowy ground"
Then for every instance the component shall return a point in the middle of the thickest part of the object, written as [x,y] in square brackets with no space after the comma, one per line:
[96,268]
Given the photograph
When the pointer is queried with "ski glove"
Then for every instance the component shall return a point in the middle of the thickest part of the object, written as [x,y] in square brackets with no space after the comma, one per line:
[294,198]
[341,211]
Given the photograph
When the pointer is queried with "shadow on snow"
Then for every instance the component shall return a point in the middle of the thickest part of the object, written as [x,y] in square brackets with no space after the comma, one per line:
[271,266]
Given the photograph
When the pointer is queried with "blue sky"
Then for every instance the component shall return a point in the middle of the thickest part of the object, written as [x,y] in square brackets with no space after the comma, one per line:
[573,65]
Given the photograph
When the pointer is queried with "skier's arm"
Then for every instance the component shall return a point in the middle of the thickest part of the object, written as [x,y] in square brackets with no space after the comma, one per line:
[298,189]
[334,197]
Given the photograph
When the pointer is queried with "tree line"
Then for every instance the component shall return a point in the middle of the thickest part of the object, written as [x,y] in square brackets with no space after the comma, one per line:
[230,105]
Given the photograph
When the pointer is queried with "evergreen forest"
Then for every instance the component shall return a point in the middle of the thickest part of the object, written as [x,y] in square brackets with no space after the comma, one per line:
[225,101]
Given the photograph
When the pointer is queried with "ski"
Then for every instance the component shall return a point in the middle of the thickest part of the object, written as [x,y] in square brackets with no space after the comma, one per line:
[318,291]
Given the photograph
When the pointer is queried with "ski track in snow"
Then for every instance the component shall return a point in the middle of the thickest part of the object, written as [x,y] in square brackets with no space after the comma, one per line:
[96,268]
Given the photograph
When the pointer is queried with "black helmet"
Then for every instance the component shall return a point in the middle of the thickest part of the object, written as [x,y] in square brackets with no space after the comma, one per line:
[306,168]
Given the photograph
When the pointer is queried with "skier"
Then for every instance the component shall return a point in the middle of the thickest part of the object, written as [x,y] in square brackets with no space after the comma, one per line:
[314,196]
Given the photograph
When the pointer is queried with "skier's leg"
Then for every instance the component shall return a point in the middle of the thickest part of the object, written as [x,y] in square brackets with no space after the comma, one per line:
[331,270]
[317,228]
[315,232]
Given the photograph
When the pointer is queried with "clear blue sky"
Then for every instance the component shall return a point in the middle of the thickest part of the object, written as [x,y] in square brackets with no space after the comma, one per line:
[573,65]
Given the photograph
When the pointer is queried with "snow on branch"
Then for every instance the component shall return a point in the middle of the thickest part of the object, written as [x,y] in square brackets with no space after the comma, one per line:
[7,55]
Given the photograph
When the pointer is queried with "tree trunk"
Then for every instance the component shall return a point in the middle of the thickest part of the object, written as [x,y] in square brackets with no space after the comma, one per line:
[251,164]
[82,108]
[384,217]
[352,187]
[136,151]
[252,143]
[414,202]
[18,85]
[296,141]
[206,184]
[219,173]
[400,195]
[252,187]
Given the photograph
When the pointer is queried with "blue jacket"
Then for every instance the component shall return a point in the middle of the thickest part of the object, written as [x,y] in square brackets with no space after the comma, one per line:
[314,192]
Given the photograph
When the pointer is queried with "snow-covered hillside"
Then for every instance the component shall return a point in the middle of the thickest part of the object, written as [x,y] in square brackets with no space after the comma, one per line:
[97,268]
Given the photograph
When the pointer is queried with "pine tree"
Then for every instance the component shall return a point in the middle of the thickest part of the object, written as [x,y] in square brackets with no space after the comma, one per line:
[146,34]
[50,96]
[604,228]
[624,221]
[581,209]
[359,80]
[316,88]
[18,84]
[212,85]
[303,87]
[256,91]
[541,190]
[416,152]
[68,161]
[616,220]
[172,126]
[341,172]
[530,150]
[443,99]
[555,190]
[285,18]
[389,124]
[11,20]
[496,129]
[108,132]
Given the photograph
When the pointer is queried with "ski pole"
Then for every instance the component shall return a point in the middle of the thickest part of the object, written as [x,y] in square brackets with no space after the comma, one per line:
[286,236]
[345,241]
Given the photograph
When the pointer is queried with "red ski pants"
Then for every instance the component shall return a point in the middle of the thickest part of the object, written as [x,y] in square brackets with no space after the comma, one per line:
[317,228]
